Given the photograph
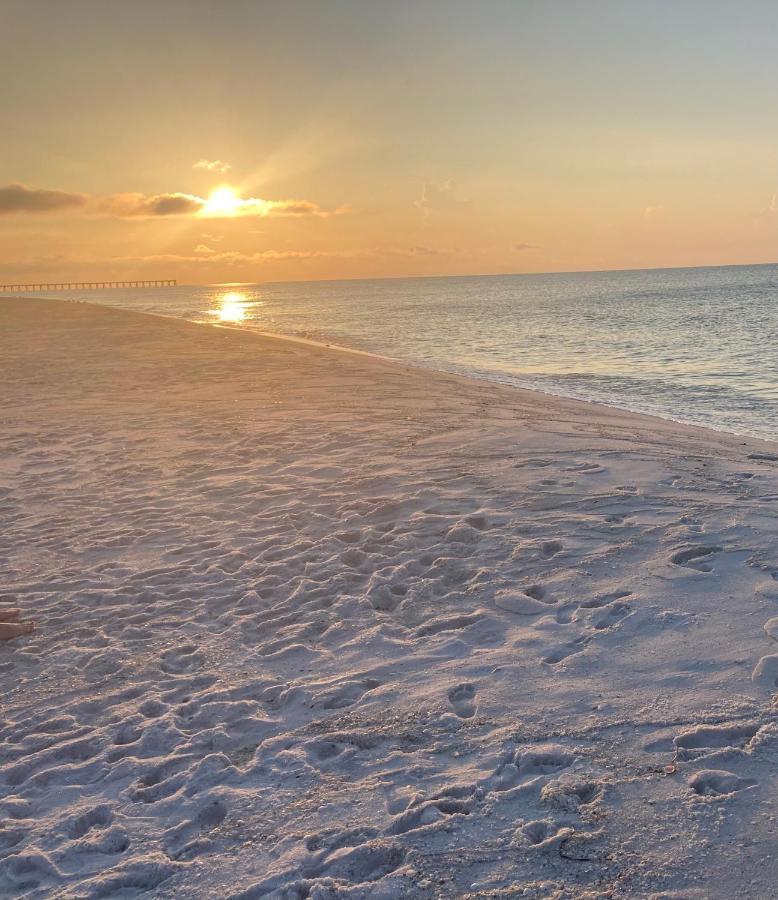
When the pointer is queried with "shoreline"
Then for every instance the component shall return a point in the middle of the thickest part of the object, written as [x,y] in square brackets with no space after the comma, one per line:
[744,437]
[494,379]
[317,623]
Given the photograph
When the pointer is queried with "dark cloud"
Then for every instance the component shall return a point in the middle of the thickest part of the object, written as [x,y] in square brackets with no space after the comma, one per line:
[521,248]
[132,205]
[19,198]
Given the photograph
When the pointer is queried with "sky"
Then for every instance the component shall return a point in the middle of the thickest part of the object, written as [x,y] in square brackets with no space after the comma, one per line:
[227,140]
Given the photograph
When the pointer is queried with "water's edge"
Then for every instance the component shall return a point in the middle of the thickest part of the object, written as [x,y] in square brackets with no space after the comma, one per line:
[491,378]
[510,382]
[697,347]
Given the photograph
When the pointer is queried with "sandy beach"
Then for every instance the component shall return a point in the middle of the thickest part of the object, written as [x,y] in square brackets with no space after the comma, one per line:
[312,624]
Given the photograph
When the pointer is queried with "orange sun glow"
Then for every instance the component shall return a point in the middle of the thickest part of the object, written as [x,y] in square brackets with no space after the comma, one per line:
[222,202]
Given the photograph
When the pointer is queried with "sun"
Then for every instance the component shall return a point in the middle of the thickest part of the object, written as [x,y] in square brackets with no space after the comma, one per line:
[222,202]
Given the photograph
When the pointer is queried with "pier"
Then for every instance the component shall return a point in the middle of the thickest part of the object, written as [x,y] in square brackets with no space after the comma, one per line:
[89,285]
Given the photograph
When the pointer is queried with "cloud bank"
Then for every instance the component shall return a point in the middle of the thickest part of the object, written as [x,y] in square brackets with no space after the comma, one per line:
[142,206]
[203,255]
[20,198]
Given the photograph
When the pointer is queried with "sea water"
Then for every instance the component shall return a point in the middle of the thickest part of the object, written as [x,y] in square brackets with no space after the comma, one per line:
[696,345]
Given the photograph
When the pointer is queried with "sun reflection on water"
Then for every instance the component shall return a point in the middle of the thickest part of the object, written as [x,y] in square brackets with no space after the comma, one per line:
[233,307]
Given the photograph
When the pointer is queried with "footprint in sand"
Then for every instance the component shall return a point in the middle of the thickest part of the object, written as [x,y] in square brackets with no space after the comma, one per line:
[529,602]
[704,738]
[153,708]
[189,839]
[479,522]
[543,760]
[601,600]
[97,817]
[609,615]
[616,518]
[180,660]
[718,783]
[569,794]
[452,623]
[462,699]
[698,558]
[543,834]
[586,468]
[551,548]
[771,627]
[766,672]
[559,654]
[370,861]
[540,549]
[347,694]
[433,812]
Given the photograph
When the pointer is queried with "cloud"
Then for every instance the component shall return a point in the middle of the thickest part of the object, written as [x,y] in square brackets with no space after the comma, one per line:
[254,206]
[36,265]
[523,248]
[654,212]
[441,197]
[132,205]
[208,260]
[142,206]
[421,250]
[19,198]
[768,214]
[213,165]
[294,254]
[208,256]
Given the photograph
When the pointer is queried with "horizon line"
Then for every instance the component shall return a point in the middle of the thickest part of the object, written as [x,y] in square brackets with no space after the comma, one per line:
[434,277]
[483,275]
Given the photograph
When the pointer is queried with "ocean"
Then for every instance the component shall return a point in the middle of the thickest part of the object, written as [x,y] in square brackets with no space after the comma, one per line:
[695,345]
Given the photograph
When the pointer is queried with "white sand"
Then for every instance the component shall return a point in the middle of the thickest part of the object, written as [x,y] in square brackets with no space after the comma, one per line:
[316,625]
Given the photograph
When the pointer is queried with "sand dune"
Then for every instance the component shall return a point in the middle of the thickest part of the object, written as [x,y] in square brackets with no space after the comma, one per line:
[316,625]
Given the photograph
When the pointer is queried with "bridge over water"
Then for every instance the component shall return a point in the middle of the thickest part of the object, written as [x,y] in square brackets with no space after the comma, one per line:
[88,285]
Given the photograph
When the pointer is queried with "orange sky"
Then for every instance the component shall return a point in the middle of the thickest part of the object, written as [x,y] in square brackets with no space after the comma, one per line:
[370,139]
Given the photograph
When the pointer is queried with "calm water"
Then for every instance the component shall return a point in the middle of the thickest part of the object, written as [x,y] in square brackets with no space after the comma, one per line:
[698,345]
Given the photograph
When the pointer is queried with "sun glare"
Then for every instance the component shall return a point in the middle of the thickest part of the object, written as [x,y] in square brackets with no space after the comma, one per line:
[222,202]
[232,308]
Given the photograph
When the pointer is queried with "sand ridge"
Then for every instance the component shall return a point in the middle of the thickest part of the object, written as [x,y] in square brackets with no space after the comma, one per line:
[319,625]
